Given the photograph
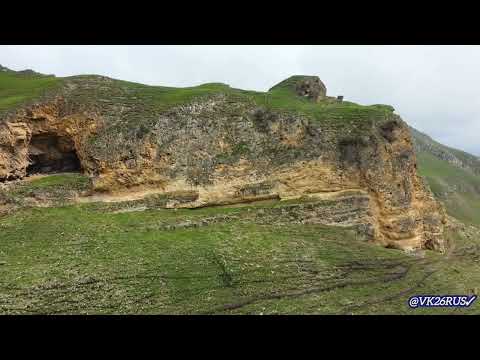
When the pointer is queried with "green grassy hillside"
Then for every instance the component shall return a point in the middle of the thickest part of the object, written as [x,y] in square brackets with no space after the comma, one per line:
[118,258]
[460,159]
[17,87]
[453,176]
[458,189]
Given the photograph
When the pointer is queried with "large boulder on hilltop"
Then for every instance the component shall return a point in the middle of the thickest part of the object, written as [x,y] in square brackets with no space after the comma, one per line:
[306,86]
[311,87]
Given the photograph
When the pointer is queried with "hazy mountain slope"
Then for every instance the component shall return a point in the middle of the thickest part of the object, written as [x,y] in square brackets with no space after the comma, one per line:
[458,158]
[453,176]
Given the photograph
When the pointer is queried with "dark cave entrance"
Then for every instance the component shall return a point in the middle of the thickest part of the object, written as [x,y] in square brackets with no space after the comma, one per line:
[50,153]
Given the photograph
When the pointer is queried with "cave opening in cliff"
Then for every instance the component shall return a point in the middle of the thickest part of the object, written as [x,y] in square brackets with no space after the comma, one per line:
[50,153]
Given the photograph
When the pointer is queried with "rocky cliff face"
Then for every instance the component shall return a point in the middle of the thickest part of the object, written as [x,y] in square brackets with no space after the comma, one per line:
[228,146]
[22,134]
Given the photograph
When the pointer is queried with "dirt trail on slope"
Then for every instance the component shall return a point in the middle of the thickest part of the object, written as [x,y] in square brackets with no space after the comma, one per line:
[119,196]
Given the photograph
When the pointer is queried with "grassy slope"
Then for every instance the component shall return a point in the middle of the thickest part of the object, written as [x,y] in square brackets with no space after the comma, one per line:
[457,188]
[18,88]
[470,161]
[278,98]
[57,187]
[282,97]
[91,258]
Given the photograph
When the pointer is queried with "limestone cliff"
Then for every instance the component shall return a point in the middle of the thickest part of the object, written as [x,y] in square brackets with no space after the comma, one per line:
[227,146]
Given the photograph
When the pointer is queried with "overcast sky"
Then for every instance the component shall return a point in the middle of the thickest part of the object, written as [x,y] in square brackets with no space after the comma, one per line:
[433,88]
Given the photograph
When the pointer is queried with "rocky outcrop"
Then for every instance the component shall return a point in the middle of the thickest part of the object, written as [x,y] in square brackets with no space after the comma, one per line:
[225,150]
[18,134]
[311,87]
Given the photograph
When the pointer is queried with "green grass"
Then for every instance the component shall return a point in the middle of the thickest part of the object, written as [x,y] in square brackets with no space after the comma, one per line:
[58,188]
[164,98]
[458,189]
[90,260]
[74,181]
[282,99]
[427,144]
[16,89]
[432,166]
[330,112]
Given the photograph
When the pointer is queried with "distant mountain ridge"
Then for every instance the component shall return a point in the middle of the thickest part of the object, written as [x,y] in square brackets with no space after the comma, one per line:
[453,176]
[26,72]
[458,158]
